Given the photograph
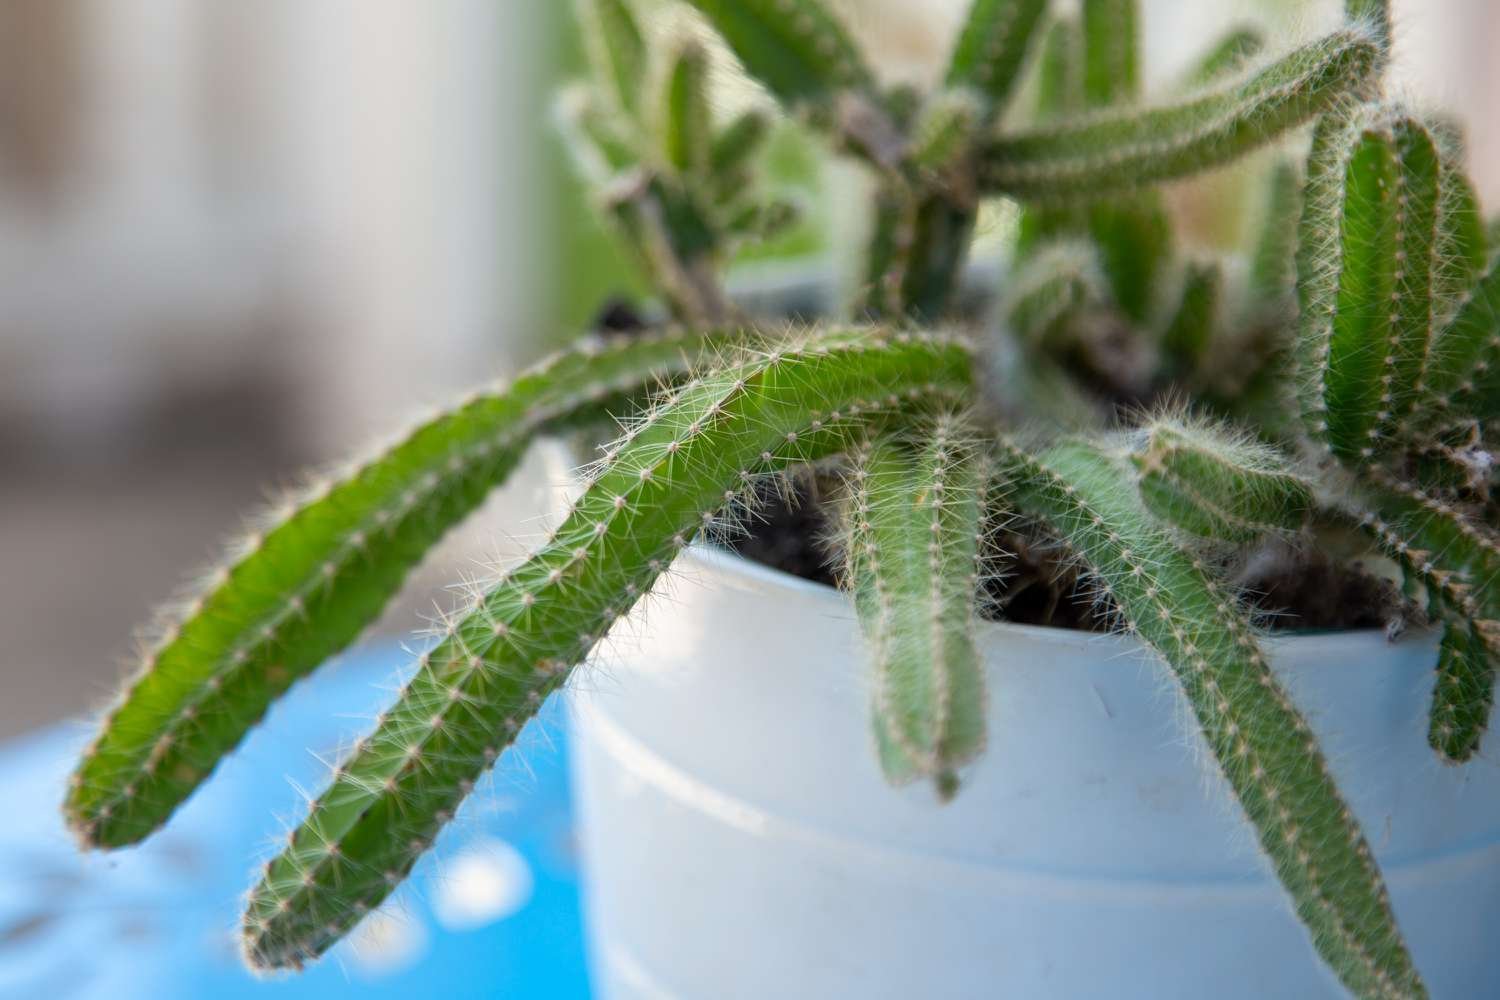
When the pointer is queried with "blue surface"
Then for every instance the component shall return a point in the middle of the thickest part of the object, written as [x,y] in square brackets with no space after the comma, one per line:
[492,911]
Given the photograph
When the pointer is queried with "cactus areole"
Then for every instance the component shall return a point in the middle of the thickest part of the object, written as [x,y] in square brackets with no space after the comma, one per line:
[1154,422]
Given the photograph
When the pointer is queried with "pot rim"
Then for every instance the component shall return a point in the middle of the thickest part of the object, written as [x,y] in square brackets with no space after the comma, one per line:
[752,577]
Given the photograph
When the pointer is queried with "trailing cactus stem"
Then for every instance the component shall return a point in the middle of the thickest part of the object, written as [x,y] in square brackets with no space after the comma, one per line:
[1115,150]
[300,591]
[1263,747]
[1457,559]
[912,522]
[1464,689]
[654,491]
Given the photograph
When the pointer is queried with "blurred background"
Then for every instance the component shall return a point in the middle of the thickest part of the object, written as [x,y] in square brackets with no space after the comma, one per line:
[239,239]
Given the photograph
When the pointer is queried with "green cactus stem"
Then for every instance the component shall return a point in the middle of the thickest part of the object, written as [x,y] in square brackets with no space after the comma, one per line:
[617,50]
[1202,480]
[797,48]
[1273,271]
[992,47]
[304,587]
[1455,557]
[1465,382]
[911,544]
[1365,277]
[1226,57]
[734,151]
[1059,280]
[517,642]
[687,120]
[1135,243]
[1111,73]
[1196,322]
[1464,690]
[1261,744]
[1114,150]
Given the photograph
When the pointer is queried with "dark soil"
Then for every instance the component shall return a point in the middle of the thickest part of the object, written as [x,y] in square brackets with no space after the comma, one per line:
[1036,585]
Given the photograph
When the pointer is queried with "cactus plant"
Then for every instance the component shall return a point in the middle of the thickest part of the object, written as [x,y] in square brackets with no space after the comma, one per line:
[1367,302]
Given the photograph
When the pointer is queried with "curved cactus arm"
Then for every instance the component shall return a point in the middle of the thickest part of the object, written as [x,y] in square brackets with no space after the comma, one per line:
[1456,558]
[1111,46]
[616,49]
[303,589]
[687,120]
[1263,747]
[796,48]
[911,543]
[1227,56]
[654,491]
[1210,482]
[1116,150]
[992,47]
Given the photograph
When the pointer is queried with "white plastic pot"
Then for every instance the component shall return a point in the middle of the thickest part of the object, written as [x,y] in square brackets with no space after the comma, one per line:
[739,840]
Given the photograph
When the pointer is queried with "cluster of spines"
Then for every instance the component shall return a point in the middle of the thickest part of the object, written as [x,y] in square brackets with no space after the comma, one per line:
[912,545]
[1214,485]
